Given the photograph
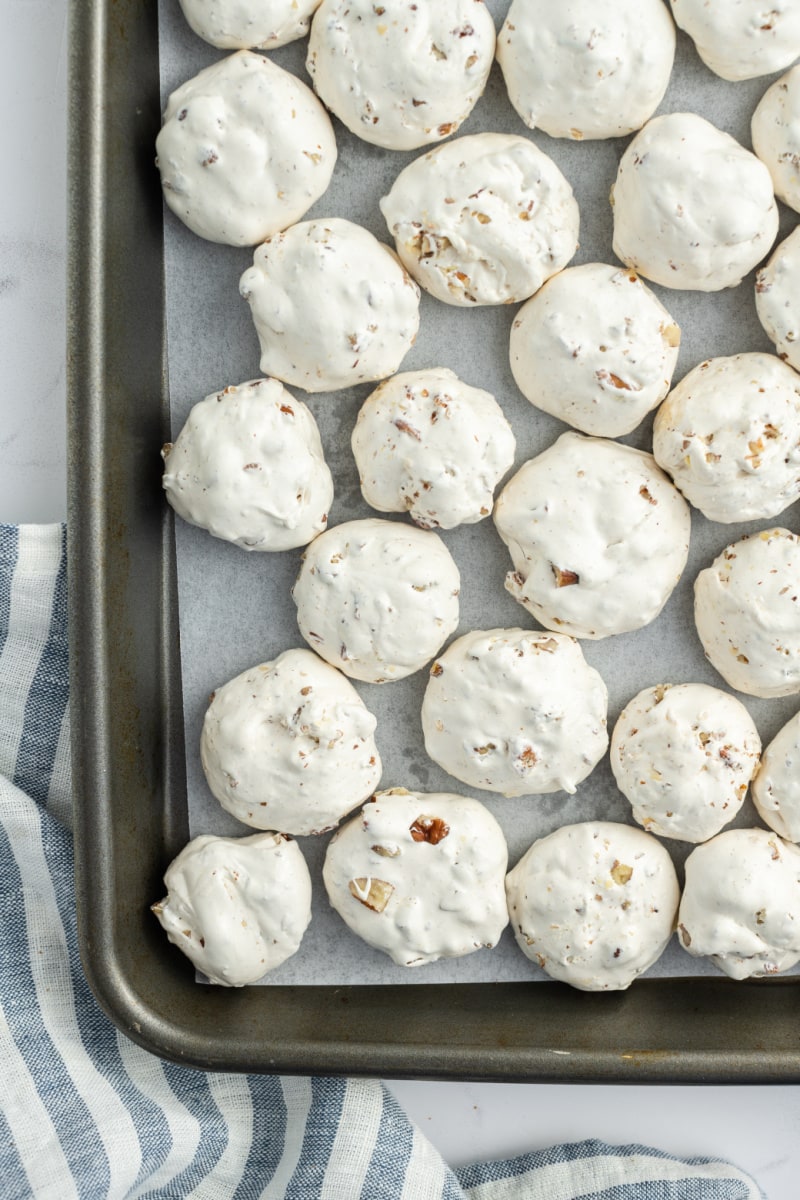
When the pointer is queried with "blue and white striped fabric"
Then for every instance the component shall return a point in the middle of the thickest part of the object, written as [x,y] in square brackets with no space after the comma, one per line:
[86,1113]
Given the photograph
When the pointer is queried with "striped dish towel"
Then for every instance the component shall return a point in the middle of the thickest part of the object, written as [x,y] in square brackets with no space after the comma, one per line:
[86,1113]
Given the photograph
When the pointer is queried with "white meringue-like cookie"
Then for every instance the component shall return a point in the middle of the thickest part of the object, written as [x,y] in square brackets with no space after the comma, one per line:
[515,711]
[597,534]
[595,348]
[683,755]
[430,445]
[237,907]
[420,876]
[775,129]
[249,24]
[778,298]
[289,745]
[586,68]
[692,208]
[741,39]
[484,219]
[747,613]
[401,75]
[244,151]
[729,436]
[377,599]
[741,903]
[248,466]
[332,306]
[594,904]
[776,787]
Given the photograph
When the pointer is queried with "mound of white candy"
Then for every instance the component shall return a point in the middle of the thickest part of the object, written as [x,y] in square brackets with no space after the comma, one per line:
[515,711]
[485,219]
[594,904]
[778,299]
[683,756]
[729,436]
[595,348]
[237,907]
[420,876]
[430,445]
[254,24]
[776,787]
[597,534]
[248,466]
[587,69]
[244,151]
[289,745]
[741,39]
[741,903]
[331,304]
[401,75]
[775,130]
[692,208]
[747,612]
[377,599]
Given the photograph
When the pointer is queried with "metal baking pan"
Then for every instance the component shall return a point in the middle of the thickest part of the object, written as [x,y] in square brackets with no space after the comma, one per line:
[130,796]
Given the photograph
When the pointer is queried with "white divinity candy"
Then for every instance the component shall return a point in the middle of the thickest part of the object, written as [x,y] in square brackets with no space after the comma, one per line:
[248,466]
[776,787]
[244,151]
[331,304]
[420,876]
[484,219]
[775,130]
[683,755]
[729,435]
[778,299]
[237,907]
[243,24]
[594,904]
[741,39]
[597,534]
[586,68]
[747,612]
[595,348]
[515,711]
[289,745]
[692,208]
[741,903]
[397,74]
[430,445]
[377,599]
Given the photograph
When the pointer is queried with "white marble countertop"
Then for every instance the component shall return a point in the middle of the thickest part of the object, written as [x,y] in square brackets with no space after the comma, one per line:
[756,1127]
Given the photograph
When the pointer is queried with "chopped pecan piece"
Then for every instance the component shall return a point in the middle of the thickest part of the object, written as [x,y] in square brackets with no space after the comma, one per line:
[429,829]
[372,893]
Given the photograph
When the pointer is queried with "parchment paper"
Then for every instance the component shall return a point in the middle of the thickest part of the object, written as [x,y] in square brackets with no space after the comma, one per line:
[235,608]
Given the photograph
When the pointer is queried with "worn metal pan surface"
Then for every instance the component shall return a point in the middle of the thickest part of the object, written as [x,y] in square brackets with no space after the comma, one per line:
[130,810]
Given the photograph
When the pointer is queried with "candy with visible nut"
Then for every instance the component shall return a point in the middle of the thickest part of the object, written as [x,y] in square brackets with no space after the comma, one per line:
[377,599]
[777,303]
[729,437]
[597,534]
[589,68]
[595,348]
[484,219]
[747,612]
[683,755]
[741,39]
[741,903]
[248,466]
[244,151]
[290,745]
[430,445]
[420,876]
[594,904]
[776,787]
[249,24]
[401,75]
[515,711]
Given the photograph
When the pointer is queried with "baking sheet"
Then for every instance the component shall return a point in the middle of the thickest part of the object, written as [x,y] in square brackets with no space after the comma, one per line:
[235,607]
